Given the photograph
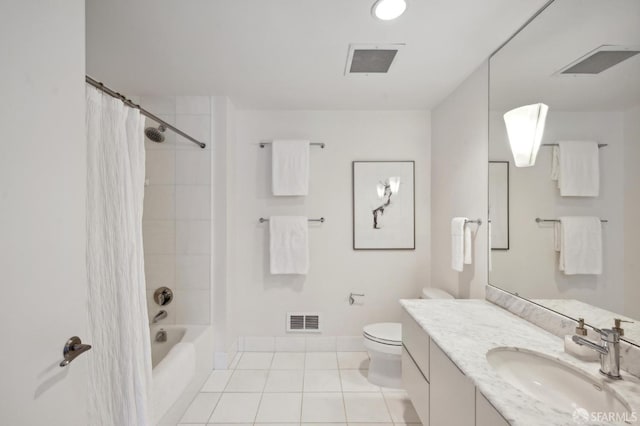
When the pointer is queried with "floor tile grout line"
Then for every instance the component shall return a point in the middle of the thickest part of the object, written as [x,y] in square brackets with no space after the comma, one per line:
[214,407]
[386,404]
[344,403]
[304,369]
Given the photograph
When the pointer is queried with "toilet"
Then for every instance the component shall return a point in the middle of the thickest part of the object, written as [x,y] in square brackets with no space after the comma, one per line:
[384,343]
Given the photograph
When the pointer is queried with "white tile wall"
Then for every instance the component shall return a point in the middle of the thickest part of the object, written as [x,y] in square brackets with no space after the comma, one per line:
[192,168]
[159,236]
[321,344]
[192,306]
[177,212]
[192,272]
[160,167]
[159,202]
[193,105]
[193,237]
[193,202]
[160,270]
[290,344]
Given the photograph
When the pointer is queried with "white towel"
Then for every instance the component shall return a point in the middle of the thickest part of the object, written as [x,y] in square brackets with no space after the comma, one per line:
[576,167]
[581,245]
[490,245]
[557,236]
[460,243]
[290,167]
[289,244]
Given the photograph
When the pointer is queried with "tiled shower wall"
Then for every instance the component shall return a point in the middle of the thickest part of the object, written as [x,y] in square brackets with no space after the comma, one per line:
[177,210]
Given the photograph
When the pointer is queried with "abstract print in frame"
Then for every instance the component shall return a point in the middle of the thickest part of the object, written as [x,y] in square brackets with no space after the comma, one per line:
[383,205]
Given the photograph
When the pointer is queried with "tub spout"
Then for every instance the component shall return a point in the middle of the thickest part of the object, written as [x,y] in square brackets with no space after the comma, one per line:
[160,316]
[161,336]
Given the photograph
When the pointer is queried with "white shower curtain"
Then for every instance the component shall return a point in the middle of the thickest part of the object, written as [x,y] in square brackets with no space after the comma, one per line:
[120,365]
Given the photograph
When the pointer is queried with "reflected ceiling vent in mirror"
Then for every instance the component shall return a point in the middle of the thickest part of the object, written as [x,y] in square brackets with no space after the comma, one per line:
[368,59]
[599,60]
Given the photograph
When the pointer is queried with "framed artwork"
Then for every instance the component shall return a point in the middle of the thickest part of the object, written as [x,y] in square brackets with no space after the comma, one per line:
[499,204]
[383,205]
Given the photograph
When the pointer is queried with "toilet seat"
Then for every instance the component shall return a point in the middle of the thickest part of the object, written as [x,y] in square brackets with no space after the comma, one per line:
[384,333]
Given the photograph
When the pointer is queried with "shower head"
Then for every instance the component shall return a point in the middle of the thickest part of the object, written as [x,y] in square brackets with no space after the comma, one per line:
[155,135]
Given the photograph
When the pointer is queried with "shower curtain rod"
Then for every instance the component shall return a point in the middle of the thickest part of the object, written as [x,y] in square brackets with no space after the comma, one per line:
[100,86]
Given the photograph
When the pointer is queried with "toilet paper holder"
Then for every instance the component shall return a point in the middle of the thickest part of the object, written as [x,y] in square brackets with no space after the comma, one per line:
[352,300]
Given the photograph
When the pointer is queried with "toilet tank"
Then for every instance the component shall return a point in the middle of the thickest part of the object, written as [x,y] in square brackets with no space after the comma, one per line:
[435,293]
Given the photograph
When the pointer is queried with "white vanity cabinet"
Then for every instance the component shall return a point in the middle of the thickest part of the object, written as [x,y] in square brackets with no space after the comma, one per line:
[452,394]
[441,394]
[486,415]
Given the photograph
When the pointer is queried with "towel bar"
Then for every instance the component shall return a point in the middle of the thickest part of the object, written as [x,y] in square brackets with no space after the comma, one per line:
[478,221]
[320,144]
[538,220]
[321,220]
[600,145]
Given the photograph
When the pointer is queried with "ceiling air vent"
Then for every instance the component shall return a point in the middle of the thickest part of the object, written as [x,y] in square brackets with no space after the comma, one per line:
[366,59]
[599,60]
[303,322]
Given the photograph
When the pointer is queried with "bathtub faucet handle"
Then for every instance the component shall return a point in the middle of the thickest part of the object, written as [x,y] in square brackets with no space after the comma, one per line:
[72,349]
[163,296]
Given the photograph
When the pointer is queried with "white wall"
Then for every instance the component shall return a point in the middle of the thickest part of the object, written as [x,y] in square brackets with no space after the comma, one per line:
[632,211]
[259,300]
[459,182]
[42,211]
[530,266]
[177,209]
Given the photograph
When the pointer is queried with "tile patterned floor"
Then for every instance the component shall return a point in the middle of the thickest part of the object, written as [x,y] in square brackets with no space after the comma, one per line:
[298,388]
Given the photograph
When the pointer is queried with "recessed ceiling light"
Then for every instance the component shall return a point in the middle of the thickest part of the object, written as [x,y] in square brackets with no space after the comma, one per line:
[387,10]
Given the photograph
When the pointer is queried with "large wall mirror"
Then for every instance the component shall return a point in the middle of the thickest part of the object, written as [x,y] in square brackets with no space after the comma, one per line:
[581,58]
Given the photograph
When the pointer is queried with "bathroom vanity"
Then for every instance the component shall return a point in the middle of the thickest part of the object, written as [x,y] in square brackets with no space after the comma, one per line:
[468,362]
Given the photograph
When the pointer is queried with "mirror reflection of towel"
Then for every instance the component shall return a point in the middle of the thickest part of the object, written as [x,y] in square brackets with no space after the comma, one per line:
[580,245]
[576,167]
[460,244]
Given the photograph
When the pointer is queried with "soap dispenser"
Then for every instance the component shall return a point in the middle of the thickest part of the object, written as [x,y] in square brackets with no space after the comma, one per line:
[581,352]
[617,327]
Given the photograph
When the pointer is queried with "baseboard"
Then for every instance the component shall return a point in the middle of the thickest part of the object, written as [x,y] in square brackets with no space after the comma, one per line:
[301,344]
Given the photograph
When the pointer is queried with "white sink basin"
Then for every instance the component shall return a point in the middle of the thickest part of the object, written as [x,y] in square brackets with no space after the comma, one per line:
[556,383]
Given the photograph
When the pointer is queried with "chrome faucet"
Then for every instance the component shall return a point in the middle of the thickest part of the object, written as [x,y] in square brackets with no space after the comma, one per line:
[609,350]
[160,316]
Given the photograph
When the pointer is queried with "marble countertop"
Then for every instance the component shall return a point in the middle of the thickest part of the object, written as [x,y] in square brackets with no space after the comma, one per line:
[467,329]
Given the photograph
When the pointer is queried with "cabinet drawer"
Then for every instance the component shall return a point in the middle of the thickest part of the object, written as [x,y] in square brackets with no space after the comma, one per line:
[416,340]
[453,395]
[416,386]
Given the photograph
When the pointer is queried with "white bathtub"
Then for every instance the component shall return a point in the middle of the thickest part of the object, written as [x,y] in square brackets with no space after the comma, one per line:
[179,364]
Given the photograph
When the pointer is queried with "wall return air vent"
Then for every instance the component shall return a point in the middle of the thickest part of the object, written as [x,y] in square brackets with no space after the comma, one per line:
[371,59]
[303,322]
[599,60]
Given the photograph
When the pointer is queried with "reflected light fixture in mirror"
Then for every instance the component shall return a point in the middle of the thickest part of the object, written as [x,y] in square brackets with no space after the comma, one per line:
[525,126]
[387,10]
